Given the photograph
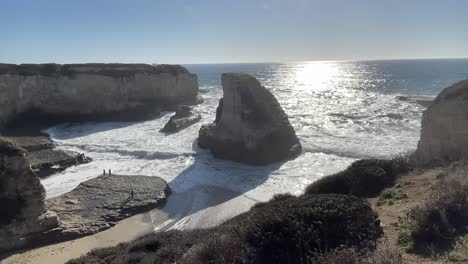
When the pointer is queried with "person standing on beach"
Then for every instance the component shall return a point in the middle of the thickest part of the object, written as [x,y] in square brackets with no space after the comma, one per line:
[103,172]
[131,193]
[110,174]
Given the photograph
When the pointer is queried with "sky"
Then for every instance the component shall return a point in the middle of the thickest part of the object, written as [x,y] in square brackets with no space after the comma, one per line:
[230,31]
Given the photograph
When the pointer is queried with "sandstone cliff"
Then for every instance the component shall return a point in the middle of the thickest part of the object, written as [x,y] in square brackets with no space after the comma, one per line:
[250,124]
[91,89]
[444,127]
[21,198]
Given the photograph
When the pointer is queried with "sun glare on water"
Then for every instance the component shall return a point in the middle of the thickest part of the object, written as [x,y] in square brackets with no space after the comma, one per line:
[316,75]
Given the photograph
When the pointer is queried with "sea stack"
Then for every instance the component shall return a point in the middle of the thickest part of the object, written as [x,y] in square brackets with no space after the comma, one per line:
[250,126]
[444,128]
[184,117]
[22,198]
[92,90]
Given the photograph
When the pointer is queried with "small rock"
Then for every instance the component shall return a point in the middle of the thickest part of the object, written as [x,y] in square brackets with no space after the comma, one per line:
[184,117]
[71,201]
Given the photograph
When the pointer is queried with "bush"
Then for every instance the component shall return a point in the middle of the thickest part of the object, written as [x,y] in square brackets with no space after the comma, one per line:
[164,248]
[364,178]
[287,229]
[433,226]
[384,255]
[391,196]
[459,252]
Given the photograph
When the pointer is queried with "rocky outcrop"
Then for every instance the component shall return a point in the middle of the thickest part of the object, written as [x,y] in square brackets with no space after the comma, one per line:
[46,162]
[99,203]
[250,125]
[95,205]
[91,89]
[184,117]
[444,127]
[21,198]
[44,158]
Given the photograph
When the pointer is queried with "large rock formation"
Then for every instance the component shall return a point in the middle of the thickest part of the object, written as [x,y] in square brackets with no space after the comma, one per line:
[99,203]
[250,124]
[444,127]
[21,198]
[91,89]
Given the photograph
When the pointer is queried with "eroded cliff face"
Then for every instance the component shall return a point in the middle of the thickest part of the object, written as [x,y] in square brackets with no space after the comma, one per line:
[250,125]
[444,127]
[87,89]
[22,198]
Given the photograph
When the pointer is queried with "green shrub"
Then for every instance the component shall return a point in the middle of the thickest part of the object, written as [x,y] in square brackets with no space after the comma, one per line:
[364,178]
[287,229]
[459,252]
[391,196]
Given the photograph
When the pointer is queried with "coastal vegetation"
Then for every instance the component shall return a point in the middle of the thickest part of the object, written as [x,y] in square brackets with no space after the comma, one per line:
[286,229]
[438,225]
[364,178]
[331,227]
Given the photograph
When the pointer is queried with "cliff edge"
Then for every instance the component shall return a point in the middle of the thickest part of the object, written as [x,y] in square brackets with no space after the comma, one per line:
[444,128]
[91,89]
[22,198]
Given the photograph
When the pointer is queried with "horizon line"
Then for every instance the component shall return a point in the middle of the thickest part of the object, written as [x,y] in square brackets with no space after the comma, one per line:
[256,62]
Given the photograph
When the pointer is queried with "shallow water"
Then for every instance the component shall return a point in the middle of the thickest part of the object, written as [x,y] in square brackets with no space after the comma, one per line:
[342,111]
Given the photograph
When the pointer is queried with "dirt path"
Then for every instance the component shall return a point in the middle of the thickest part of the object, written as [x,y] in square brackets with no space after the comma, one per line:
[417,186]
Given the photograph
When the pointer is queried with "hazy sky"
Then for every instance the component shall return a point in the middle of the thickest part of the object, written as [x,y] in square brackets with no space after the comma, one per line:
[203,31]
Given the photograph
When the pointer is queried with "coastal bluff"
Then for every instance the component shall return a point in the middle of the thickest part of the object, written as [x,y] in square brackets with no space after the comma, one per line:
[95,89]
[444,127]
[250,125]
[22,198]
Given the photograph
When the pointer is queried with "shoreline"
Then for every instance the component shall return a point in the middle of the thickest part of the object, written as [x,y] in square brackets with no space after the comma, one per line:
[202,207]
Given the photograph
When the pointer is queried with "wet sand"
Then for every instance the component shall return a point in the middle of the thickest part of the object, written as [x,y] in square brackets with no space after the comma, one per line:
[199,207]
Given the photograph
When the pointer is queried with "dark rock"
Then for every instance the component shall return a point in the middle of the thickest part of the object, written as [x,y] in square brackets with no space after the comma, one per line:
[424,101]
[46,162]
[21,198]
[219,110]
[250,125]
[183,118]
[96,205]
[99,203]
[32,143]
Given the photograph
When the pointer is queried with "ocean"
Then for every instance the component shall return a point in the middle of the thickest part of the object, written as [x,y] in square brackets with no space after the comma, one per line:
[342,112]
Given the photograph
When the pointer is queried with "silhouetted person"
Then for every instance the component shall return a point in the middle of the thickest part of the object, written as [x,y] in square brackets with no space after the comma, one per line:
[103,172]
[131,193]
[110,174]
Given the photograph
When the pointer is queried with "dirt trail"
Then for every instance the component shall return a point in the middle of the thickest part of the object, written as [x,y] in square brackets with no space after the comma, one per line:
[417,186]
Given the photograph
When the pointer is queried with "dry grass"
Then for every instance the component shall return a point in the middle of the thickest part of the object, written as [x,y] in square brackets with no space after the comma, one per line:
[432,227]
[384,255]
